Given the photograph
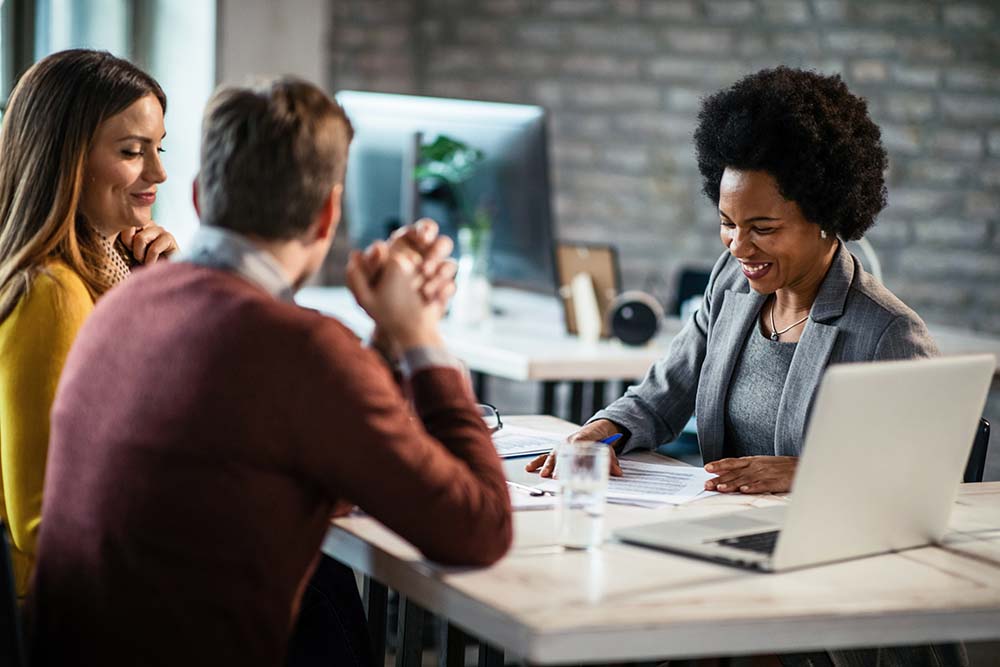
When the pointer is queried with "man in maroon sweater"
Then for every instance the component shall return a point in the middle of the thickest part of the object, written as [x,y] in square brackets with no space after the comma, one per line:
[206,428]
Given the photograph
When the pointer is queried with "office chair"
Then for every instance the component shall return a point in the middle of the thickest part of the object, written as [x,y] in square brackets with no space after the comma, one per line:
[11,643]
[977,459]
[690,282]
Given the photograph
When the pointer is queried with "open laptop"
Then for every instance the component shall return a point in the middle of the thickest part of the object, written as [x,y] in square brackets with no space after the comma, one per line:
[884,453]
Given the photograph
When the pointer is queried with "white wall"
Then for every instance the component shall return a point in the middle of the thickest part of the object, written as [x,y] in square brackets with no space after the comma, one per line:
[272,37]
[261,38]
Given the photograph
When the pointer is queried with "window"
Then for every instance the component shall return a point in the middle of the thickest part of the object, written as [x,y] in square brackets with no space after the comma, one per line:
[93,24]
[6,54]
[12,45]
[187,74]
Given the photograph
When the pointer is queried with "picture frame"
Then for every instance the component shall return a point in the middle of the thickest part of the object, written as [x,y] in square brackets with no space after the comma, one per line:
[598,260]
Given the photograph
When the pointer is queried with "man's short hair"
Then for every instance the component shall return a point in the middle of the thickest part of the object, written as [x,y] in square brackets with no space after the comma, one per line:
[270,155]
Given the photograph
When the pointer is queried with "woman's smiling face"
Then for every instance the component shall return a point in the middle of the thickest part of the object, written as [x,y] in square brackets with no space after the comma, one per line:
[776,246]
[123,168]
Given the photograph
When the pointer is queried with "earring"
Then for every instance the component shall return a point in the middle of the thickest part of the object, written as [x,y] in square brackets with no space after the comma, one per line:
[822,233]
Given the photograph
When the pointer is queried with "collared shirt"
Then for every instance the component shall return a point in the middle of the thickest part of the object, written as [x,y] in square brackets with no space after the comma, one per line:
[219,248]
[226,250]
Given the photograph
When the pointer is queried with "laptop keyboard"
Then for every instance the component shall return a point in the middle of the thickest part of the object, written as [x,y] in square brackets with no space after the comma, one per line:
[759,542]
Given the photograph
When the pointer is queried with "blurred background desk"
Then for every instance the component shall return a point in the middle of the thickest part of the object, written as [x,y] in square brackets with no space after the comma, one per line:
[526,340]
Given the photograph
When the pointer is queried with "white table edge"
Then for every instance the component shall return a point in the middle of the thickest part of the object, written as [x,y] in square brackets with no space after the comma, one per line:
[680,640]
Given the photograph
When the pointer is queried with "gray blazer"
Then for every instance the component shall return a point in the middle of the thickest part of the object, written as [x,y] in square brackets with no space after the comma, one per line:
[854,318]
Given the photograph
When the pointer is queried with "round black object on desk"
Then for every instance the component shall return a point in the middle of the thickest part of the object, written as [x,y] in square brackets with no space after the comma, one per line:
[634,317]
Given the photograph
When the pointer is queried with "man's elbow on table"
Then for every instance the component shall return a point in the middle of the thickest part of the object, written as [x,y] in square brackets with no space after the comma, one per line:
[479,545]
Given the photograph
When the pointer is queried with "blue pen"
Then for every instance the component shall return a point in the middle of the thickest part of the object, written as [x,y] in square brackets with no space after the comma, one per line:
[611,439]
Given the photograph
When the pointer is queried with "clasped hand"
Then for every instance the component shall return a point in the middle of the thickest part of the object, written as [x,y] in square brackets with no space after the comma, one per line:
[404,284]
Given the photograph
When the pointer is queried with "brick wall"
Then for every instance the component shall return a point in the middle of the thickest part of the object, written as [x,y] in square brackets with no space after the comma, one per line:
[622,80]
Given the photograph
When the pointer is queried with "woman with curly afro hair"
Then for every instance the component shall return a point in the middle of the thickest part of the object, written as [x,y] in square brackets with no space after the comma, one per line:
[794,165]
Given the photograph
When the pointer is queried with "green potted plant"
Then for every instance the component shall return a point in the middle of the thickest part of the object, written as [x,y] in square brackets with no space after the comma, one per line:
[446,165]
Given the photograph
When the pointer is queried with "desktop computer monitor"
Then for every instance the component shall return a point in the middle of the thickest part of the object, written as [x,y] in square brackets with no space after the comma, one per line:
[512,181]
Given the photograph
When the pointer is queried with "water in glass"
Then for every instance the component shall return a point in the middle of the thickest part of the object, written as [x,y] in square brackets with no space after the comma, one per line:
[582,471]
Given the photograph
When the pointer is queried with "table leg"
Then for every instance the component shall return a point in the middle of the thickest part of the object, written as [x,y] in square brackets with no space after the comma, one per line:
[597,400]
[376,597]
[479,386]
[452,646]
[490,656]
[411,624]
[548,398]
[576,402]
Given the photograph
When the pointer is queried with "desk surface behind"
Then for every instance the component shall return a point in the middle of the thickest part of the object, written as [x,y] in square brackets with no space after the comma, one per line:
[527,340]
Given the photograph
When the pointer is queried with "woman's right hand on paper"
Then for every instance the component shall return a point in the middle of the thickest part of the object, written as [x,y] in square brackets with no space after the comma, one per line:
[545,464]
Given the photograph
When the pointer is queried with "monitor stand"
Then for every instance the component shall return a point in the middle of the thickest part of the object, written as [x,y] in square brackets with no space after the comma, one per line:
[409,196]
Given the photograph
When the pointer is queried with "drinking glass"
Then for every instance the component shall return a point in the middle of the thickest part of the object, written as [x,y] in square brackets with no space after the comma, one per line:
[582,473]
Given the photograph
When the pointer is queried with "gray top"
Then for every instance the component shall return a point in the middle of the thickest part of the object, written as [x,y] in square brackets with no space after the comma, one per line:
[752,404]
[854,318]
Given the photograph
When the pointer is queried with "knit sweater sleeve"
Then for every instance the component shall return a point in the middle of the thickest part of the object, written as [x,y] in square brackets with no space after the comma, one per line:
[34,341]
[429,472]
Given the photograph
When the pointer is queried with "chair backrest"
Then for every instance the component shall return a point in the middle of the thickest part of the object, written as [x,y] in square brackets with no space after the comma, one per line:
[11,643]
[977,458]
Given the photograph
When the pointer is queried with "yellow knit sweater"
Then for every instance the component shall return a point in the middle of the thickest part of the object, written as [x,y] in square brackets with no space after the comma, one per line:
[34,341]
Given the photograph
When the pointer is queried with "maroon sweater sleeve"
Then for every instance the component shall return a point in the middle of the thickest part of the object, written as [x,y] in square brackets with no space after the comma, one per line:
[434,479]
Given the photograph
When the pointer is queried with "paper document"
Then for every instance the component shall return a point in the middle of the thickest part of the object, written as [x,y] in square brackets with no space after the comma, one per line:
[654,482]
[651,484]
[519,441]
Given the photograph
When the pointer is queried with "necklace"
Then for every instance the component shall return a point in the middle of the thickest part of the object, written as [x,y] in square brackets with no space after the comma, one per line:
[774,330]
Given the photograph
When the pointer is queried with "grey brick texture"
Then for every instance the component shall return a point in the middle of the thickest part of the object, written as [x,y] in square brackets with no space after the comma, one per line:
[623,79]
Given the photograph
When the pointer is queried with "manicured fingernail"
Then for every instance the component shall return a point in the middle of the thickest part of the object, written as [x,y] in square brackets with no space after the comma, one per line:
[723,486]
[744,488]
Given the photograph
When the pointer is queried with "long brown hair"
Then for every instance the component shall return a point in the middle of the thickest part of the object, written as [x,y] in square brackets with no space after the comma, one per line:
[50,124]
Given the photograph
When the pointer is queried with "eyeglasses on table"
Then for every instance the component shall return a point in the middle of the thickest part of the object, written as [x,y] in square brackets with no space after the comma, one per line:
[491,417]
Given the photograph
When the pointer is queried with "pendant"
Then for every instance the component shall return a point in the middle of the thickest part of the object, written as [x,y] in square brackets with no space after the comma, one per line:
[774,336]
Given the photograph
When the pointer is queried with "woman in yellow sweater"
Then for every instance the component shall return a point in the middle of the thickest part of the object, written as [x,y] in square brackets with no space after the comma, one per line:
[79,169]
